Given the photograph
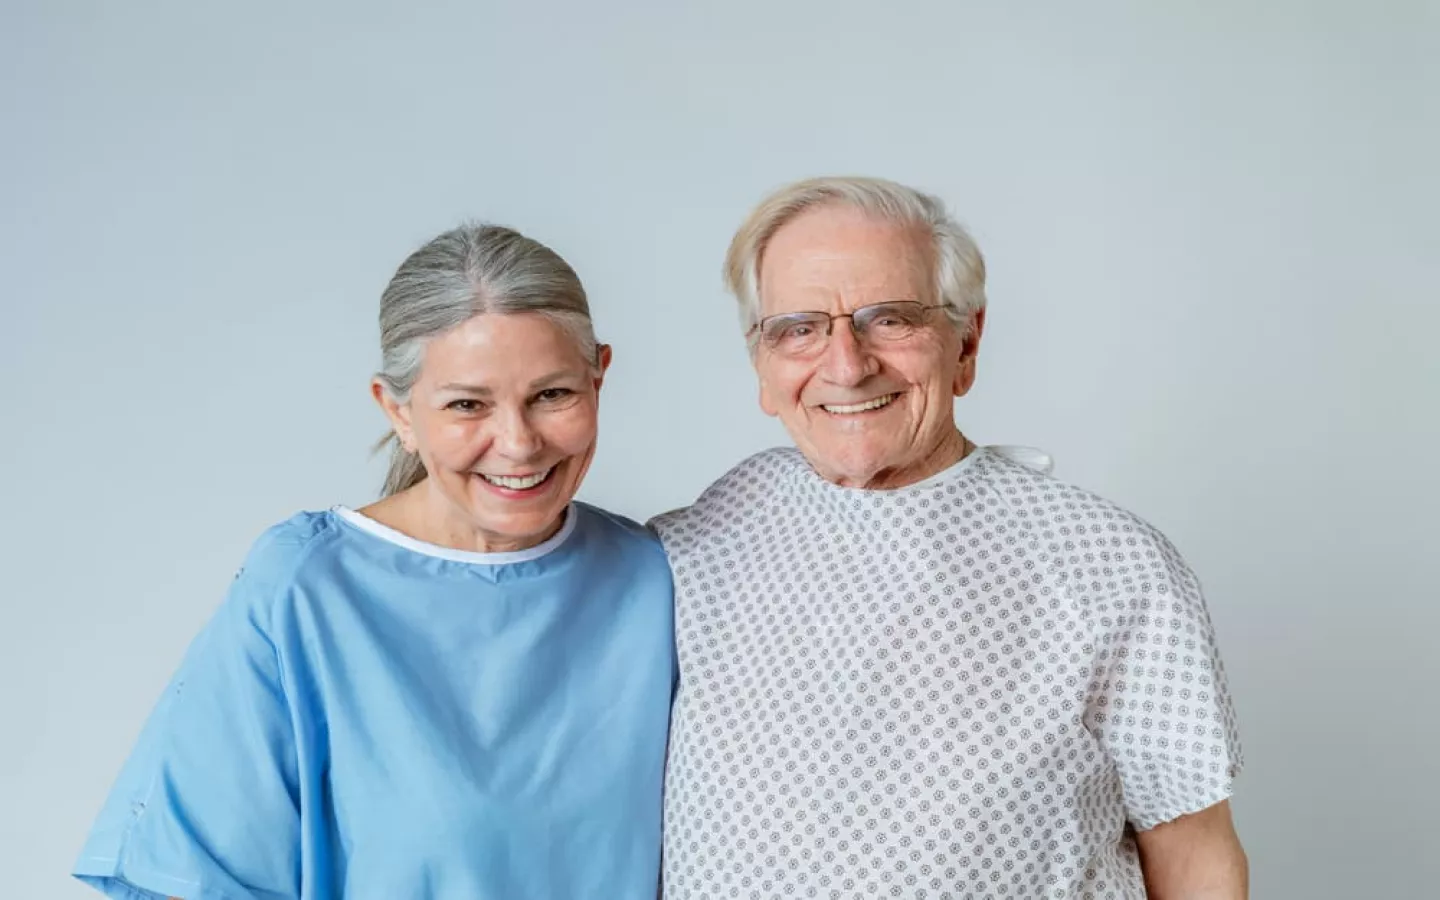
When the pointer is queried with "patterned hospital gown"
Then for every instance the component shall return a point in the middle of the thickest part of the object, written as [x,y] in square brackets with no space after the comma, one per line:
[975,686]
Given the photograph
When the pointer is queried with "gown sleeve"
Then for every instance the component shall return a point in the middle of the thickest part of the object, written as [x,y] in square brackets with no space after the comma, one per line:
[1161,706]
[207,805]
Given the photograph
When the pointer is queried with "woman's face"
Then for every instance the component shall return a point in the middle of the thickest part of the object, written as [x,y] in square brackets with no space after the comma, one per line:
[503,415]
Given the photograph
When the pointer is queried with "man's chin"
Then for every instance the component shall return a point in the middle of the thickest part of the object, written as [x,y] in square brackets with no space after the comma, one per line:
[852,470]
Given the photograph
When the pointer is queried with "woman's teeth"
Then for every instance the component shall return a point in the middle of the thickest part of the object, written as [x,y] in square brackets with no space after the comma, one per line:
[523,483]
[860,407]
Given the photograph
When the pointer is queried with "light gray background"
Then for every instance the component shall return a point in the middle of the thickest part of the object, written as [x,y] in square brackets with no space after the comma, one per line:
[1212,233]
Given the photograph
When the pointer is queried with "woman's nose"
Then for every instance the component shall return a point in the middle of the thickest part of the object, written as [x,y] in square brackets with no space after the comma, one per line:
[517,438]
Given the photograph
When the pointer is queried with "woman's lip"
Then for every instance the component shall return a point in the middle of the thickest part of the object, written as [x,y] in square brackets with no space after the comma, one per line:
[518,493]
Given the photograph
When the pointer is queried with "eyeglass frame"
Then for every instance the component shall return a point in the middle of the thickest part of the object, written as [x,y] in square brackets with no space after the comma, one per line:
[756,332]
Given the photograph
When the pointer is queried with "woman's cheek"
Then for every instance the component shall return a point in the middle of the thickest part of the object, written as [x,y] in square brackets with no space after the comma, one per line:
[457,440]
[579,429]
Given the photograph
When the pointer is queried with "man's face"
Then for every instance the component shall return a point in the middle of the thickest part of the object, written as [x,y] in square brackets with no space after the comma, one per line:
[865,412]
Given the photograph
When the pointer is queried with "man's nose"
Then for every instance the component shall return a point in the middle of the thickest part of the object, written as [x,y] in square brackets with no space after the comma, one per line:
[847,360]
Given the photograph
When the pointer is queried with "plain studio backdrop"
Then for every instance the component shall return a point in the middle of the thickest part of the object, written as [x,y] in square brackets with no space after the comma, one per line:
[1214,297]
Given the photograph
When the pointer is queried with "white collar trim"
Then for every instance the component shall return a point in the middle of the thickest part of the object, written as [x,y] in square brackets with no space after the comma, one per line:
[390,535]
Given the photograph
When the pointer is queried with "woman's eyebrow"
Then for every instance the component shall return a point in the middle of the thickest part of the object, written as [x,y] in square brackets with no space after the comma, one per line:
[554,378]
[539,384]
[466,388]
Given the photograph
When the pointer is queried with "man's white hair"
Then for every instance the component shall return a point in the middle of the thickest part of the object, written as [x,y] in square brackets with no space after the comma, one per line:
[959,267]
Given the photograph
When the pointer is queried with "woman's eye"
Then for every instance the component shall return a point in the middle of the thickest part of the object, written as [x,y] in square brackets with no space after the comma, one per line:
[551,395]
[463,406]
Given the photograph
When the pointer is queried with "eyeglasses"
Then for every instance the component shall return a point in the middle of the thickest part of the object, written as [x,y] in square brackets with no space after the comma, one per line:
[801,334]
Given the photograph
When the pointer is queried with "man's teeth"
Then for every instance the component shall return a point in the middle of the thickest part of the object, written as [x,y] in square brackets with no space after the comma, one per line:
[518,484]
[860,407]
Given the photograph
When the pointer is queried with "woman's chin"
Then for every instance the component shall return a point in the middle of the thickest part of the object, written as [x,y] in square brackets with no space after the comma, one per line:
[523,521]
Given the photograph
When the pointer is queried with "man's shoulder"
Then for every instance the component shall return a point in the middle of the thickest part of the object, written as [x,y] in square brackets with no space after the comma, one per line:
[749,481]
[1067,516]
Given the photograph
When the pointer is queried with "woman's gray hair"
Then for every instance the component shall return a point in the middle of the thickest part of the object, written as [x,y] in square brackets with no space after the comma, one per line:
[959,266]
[463,273]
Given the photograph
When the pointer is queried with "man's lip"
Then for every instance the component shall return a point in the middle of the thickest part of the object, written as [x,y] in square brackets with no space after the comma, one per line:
[893,395]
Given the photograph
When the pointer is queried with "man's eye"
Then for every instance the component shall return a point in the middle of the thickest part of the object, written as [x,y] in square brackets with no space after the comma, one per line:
[463,406]
[797,331]
[551,395]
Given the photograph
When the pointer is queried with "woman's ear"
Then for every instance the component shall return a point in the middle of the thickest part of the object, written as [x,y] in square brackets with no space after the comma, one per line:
[603,355]
[397,413]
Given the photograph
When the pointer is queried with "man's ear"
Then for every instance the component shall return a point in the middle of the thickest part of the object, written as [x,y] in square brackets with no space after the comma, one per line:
[397,413]
[767,405]
[969,351]
[767,400]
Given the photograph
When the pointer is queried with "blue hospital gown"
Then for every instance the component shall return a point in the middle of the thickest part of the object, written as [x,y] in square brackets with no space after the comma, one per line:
[368,716]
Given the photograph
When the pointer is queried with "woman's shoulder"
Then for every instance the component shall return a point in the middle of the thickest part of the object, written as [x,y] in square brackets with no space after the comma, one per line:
[285,554]
[618,532]
[252,611]
[280,549]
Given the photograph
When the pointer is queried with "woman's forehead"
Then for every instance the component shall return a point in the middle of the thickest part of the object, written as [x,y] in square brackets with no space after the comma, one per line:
[494,351]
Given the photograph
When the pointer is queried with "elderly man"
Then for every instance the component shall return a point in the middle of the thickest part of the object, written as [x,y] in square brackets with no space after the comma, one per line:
[912,667]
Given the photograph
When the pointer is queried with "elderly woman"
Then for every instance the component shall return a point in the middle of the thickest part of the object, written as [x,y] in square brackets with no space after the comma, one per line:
[459,692]
[911,667]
